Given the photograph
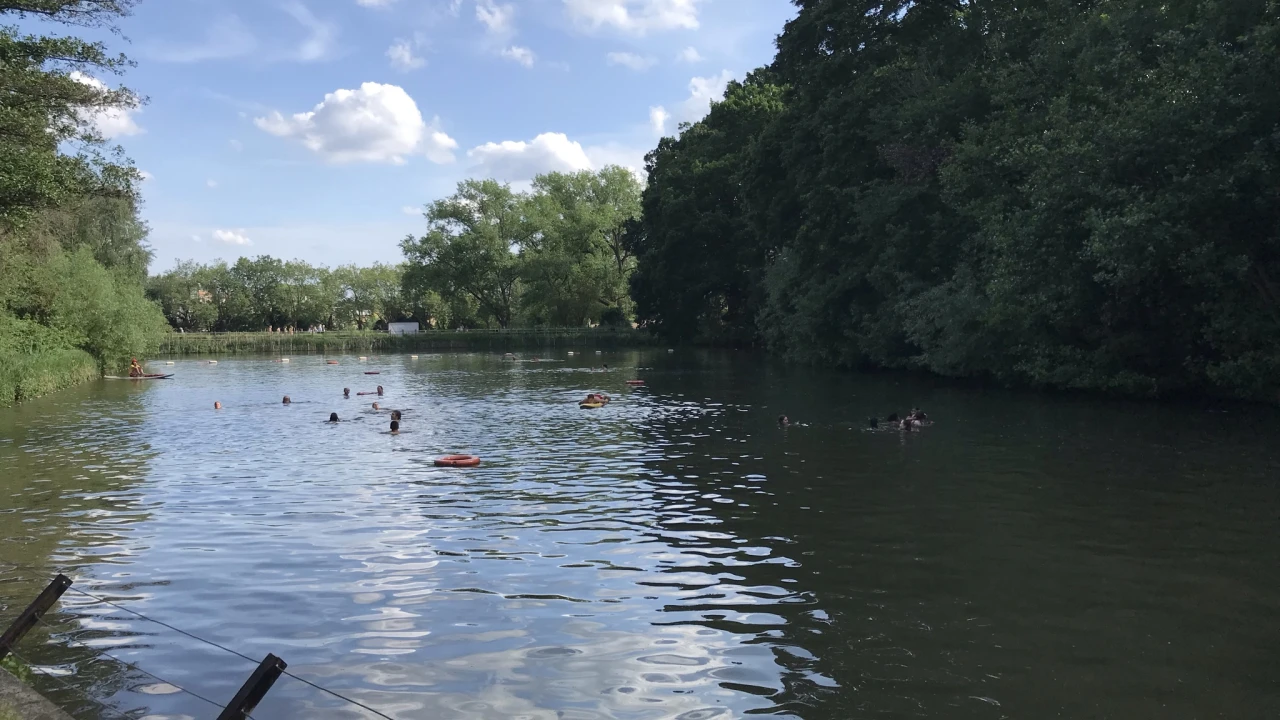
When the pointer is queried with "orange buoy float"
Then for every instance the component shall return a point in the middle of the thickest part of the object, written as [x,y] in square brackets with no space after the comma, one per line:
[635,382]
[458,461]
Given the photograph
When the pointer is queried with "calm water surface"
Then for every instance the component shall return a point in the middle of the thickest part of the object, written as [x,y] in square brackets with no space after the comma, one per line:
[674,555]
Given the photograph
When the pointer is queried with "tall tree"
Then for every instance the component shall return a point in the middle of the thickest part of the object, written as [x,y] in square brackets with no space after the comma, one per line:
[471,247]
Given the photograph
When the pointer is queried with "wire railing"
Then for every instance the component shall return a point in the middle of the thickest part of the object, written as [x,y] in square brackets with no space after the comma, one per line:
[38,619]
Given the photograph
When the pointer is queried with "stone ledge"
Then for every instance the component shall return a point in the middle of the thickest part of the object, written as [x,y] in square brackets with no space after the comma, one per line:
[20,702]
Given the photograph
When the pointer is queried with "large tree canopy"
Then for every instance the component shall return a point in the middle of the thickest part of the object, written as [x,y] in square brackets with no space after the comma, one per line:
[1066,194]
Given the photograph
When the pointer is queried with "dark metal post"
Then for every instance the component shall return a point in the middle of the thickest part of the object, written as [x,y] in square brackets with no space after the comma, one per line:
[33,613]
[254,689]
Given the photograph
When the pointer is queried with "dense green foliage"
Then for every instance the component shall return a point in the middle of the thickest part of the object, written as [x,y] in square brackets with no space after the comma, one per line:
[552,256]
[266,293]
[72,256]
[1067,194]
[370,341]
[491,258]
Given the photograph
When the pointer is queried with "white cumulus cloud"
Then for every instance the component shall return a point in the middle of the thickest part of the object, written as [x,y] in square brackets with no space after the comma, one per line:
[702,92]
[411,210]
[689,55]
[522,55]
[145,176]
[658,117]
[111,122]
[631,60]
[231,237]
[375,123]
[402,58]
[636,17]
[517,160]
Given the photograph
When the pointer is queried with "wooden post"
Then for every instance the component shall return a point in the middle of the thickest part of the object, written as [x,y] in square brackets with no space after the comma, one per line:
[33,613]
[254,689]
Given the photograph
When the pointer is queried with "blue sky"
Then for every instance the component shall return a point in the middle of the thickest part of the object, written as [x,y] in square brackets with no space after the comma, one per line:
[317,129]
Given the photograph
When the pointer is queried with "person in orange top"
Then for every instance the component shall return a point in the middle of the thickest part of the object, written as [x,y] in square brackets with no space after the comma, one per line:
[135,370]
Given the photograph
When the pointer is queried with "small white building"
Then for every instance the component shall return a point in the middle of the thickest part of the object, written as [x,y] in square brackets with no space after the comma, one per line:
[402,328]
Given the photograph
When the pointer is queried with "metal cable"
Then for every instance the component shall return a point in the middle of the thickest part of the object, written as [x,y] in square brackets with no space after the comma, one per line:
[216,645]
[65,686]
[164,624]
[338,695]
[97,651]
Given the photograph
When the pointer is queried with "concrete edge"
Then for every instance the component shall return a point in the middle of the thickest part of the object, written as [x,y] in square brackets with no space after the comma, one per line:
[18,701]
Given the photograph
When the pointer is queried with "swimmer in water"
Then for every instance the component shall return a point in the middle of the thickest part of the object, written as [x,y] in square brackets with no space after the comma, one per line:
[395,415]
[395,428]
[346,393]
[783,421]
[333,417]
[286,400]
[379,391]
[217,405]
[376,408]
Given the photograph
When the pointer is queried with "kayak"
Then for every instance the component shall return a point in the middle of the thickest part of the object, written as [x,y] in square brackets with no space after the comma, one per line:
[151,376]
[590,405]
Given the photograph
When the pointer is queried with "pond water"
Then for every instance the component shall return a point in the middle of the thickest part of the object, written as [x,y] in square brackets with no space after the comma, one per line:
[673,555]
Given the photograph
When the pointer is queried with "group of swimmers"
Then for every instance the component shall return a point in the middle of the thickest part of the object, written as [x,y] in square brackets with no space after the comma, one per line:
[346,395]
[913,420]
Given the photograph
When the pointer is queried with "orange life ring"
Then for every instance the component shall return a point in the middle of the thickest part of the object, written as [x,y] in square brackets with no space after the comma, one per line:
[458,461]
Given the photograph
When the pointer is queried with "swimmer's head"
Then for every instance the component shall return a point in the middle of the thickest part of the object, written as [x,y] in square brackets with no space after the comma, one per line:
[395,414]
[379,389]
[333,417]
[346,392]
[375,406]
[217,405]
[395,426]
[286,400]
[784,420]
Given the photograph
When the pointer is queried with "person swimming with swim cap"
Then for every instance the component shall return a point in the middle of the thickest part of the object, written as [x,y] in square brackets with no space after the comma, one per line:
[333,417]
[395,428]
[286,400]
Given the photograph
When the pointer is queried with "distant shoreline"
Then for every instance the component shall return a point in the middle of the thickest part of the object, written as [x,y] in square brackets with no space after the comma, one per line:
[234,343]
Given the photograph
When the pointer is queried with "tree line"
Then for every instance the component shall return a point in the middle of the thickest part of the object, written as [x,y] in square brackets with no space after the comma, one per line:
[491,257]
[72,254]
[1067,194]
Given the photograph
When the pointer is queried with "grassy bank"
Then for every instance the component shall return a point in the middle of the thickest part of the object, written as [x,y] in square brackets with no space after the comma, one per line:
[25,376]
[340,342]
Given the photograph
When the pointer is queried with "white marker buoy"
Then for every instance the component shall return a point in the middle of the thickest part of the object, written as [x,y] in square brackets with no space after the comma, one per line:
[363,358]
[284,360]
[213,362]
[597,352]
[413,357]
[670,350]
[570,352]
[169,363]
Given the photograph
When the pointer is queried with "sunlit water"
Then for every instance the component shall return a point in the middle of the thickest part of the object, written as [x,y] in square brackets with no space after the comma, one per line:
[673,555]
